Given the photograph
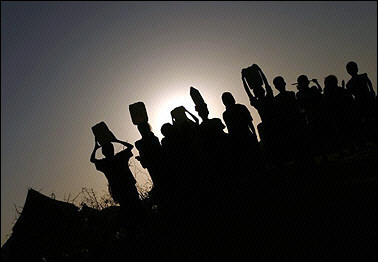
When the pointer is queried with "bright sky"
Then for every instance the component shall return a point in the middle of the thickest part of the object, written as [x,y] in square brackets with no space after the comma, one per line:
[65,66]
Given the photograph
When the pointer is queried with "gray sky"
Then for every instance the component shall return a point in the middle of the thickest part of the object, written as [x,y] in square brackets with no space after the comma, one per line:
[66,66]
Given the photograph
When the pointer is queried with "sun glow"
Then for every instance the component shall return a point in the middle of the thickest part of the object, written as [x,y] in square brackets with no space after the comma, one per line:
[162,113]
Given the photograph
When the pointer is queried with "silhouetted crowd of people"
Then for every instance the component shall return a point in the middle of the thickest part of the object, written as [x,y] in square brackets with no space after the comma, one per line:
[198,164]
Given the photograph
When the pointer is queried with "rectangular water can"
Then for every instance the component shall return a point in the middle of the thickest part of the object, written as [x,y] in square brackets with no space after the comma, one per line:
[102,133]
[138,113]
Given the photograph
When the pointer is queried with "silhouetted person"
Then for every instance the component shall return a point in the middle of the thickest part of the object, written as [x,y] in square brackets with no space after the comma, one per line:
[238,120]
[150,154]
[338,117]
[172,155]
[211,130]
[288,120]
[180,157]
[180,119]
[212,139]
[187,133]
[170,139]
[121,182]
[244,145]
[308,98]
[361,88]
[213,152]
[286,108]
[261,99]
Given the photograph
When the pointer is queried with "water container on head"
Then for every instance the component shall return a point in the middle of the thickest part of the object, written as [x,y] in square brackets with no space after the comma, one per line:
[253,76]
[138,113]
[196,96]
[102,133]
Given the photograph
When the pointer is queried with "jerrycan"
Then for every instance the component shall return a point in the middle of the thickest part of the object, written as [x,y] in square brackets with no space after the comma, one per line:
[102,133]
[138,113]
[253,76]
[196,96]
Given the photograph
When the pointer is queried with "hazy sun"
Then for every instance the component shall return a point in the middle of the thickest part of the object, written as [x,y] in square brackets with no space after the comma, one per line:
[163,113]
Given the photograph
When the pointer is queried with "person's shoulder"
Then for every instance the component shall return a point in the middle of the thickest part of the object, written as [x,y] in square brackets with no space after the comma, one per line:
[215,121]
[125,153]
[155,138]
[363,77]
[291,95]
[138,143]
[349,83]
[241,106]
[299,94]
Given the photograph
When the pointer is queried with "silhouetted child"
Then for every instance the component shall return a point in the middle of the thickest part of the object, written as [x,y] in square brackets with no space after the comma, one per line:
[338,116]
[286,108]
[308,98]
[288,120]
[242,134]
[361,88]
[261,99]
[170,139]
[211,130]
[172,155]
[214,152]
[121,182]
[187,133]
[150,154]
[238,120]
[178,152]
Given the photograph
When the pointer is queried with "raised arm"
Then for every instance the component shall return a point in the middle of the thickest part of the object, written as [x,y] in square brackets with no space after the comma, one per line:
[268,88]
[193,116]
[370,85]
[127,145]
[93,155]
[245,85]
[317,84]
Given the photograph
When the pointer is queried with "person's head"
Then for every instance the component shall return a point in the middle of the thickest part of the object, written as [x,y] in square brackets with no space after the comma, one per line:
[330,81]
[352,68]
[303,81]
[108,150]
[144,128]
[167,129]
[279,83]
[203,111]
[228,99]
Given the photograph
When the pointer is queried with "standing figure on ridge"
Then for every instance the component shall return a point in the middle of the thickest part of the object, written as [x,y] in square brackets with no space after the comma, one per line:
[361,88]
[288,121]
[308,97]
[338,116]
[261,99]
[243,139]
[116,169]
[150,154]
[121,182]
